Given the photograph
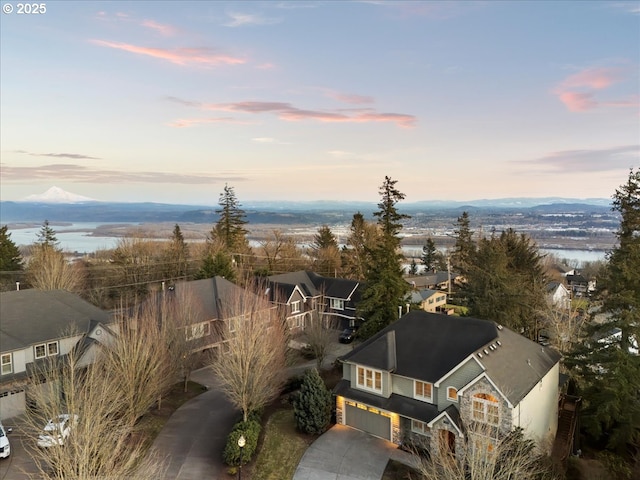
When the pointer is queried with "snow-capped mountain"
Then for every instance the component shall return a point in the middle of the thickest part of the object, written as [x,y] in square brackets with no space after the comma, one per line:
[57,195]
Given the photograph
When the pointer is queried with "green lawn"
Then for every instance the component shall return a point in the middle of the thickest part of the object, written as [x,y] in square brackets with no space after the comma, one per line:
[282,449]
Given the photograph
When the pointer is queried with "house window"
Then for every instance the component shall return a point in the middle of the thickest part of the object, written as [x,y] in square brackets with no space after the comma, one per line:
[7,363]
[422,390]
[40,351]
[370,379]
[295,306]
[52,348]
[202,329]
[452,394]
[420,427]
[337,304]
[485,408]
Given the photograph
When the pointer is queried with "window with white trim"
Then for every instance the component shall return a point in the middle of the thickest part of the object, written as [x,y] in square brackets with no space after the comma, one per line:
[7,363]
[422,390]
[486,409]
[420,427]
[452,394]
[295,306]
[369,379]
[45,350]
[337,304]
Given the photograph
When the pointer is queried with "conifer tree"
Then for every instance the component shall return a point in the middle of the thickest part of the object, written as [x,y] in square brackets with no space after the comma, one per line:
[606,363]
[312,405]
[465,246]
[429,255]
[325,252]
[229,229]
[218,265]
[360,241]
[10,257]
[47,236]
[385,285]
[177,255]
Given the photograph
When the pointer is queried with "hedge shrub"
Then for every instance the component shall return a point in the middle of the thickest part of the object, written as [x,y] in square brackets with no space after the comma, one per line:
[251,431]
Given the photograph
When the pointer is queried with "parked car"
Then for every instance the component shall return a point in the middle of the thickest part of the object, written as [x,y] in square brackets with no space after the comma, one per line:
[5,447]
[57,430]
[347,335]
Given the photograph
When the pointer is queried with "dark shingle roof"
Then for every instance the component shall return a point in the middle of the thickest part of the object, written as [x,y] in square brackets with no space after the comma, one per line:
[28,317]
[312,285]
[428,345]
[517,364]
[212,298]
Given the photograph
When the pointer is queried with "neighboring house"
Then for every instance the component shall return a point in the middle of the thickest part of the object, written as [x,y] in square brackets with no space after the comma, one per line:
[558,296]
[307,296]
[564,269]
[579,285]
[433,280]
[36,325]
[430,377]
[212,305]
[429,300]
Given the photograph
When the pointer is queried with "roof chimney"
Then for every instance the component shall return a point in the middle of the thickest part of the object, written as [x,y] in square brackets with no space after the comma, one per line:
[391,350]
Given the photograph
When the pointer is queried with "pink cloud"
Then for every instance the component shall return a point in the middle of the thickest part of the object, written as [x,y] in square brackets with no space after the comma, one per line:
[577,102]
[288,112]
[578,91]
[595,78]
[351,98]
[190,122]
[178,56]
[163,29]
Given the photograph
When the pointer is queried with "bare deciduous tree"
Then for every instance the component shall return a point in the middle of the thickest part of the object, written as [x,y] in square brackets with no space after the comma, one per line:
[251,365]
[49,270]
[488,457]
[100,444]
[140,362]
[319,333]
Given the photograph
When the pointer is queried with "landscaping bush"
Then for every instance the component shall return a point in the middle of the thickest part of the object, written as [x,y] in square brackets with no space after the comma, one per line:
[292,384]
[251,431]
[312,405]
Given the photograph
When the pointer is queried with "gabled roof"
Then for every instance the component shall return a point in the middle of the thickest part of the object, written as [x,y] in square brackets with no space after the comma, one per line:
[29,317]
[213,298]
[313,285]
[422,295]
[517,364]
[428,345]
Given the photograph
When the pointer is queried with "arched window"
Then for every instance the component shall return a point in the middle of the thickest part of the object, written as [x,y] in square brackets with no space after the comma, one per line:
[486,409]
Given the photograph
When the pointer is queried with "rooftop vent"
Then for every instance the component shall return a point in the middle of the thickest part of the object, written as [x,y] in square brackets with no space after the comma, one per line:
[499,327]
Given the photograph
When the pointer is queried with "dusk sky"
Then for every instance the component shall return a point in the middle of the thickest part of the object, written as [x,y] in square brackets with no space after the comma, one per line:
[168,101]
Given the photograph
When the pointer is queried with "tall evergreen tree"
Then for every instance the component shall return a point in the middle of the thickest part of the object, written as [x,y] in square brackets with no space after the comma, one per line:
[325,252]
[312,405]
[606,364]
[385,286]
[47,236]
[429,255]
[229,229]
[505,282]
[10,257]
[464,247]
[361,238]
[177,255]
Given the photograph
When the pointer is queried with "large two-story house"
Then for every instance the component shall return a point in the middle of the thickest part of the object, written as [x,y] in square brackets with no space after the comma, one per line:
[306,296]
[430,377]
[37,325]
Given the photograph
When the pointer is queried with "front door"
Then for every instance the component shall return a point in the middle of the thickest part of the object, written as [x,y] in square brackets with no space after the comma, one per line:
[447,442]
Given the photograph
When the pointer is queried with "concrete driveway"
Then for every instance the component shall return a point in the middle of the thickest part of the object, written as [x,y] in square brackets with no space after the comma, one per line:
[194,437]
[343,453]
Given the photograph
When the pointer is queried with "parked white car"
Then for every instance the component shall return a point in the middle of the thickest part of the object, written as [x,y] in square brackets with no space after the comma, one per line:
[57,430]
[5,447]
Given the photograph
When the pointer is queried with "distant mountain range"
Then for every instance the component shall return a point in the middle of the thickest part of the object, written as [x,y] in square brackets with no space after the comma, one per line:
[58,205]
